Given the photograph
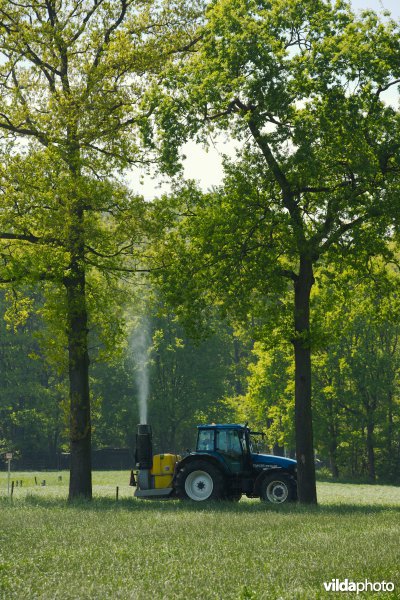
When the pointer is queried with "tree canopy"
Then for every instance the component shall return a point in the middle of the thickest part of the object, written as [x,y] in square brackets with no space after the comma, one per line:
[90,88]
[73,78]
[300,85]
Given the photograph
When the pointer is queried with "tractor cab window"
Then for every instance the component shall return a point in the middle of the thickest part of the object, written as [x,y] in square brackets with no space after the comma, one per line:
[229,442]
[205,441]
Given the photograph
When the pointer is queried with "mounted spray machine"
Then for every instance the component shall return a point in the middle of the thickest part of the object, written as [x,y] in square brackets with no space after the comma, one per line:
[224,466]
[155,473]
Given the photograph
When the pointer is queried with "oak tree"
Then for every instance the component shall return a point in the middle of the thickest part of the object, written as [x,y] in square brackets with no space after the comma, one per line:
[301,86]
[73,76]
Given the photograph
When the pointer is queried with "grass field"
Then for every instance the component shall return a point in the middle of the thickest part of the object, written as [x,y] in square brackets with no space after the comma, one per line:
[151,550]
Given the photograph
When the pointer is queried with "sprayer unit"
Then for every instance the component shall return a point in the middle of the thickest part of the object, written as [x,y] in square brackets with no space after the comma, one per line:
[154,473]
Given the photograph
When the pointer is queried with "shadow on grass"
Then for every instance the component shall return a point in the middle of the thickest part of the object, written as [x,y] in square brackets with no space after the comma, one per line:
[175,506]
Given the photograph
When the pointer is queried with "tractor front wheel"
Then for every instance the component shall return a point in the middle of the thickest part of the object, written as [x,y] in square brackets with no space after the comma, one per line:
[278,489]
[199,481]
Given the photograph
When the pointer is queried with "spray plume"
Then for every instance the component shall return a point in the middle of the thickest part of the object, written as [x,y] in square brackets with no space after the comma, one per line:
[141,341]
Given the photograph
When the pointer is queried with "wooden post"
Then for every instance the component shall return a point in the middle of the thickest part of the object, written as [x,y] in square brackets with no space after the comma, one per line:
[9,473]
[117,493]
[12,488]
[35,480]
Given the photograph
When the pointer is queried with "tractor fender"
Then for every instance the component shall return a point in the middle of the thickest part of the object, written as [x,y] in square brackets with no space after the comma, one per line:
[203,456]
[266,473]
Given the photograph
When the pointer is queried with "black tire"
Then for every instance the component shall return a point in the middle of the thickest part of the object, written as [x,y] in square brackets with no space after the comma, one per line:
[278,489]
[199,480]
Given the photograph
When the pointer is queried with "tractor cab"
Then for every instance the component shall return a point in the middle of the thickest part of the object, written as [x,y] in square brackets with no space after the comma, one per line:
[233,445]
[228,443]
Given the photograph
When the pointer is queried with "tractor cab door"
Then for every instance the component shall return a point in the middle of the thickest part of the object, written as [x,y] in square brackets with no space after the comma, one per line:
[230,445]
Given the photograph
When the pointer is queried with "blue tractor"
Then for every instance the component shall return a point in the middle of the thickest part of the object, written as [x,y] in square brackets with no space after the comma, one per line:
[224,466]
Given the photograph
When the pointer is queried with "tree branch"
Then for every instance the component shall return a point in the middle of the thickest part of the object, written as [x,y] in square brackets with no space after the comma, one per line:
[109,31]
[280,177]
[18,129]
[113,255]
[86,19]
[23,237]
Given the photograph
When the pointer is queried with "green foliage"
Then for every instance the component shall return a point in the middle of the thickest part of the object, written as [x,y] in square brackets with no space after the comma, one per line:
[72,85]
[302,84]
[221,254]
[188,382]
[268,403]
[357,369]
[32,396]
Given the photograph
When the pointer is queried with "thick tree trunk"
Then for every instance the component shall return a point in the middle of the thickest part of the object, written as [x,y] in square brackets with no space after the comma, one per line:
[307,492]
[80,484]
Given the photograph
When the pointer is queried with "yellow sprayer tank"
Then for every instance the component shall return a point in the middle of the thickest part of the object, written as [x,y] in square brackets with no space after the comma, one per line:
[163,469]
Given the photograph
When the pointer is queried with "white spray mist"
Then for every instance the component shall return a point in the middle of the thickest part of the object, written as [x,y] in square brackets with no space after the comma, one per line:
[140,343]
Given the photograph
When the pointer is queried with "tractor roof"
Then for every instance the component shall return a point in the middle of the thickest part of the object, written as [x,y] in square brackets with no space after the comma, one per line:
[224,426]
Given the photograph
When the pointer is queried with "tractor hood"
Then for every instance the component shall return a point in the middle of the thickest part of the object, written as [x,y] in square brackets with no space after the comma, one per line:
[272,460]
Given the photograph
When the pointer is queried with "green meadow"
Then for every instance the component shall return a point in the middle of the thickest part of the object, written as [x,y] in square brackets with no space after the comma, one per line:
[137,549]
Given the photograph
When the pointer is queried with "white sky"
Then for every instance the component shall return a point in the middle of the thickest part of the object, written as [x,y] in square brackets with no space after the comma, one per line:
[205,166]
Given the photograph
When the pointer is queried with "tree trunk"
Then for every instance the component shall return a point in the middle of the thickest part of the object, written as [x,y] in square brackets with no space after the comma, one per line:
[333,458]
[389,441]
[278,450]
[333,443]
[236,358]
[370,448]
[80,484]
[307,492]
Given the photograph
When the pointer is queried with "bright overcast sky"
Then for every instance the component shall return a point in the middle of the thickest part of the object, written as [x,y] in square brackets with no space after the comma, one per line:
[205,166]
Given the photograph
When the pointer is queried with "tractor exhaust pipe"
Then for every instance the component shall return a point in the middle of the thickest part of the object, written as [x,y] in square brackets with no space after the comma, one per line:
[144,447]
[144,455]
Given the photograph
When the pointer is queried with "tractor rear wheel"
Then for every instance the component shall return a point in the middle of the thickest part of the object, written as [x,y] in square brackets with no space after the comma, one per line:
[278,489]
[200,480]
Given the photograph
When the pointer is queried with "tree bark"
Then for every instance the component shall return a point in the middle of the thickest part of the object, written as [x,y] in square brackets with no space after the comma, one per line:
[307,492]
[80,484]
